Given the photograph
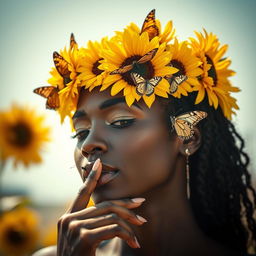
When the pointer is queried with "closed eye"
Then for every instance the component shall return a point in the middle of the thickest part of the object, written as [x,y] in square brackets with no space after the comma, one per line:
[122,123]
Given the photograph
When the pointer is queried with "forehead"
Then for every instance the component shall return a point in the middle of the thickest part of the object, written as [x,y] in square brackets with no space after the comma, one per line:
[96,100]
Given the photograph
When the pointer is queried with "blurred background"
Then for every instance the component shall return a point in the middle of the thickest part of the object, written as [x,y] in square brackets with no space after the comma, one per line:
[31,30]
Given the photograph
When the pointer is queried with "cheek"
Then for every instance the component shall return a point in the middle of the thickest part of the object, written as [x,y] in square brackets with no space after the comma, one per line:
[149,155]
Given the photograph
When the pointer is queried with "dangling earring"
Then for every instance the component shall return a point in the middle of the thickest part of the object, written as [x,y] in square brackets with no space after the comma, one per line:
[187,171]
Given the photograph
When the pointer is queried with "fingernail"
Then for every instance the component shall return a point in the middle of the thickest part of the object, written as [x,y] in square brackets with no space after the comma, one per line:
[136,242]
[141,219]
[96,165]
[138,200]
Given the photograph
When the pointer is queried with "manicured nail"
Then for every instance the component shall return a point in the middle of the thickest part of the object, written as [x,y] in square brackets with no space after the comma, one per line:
[138,200]
[141,219]
[96,165]
[136,242]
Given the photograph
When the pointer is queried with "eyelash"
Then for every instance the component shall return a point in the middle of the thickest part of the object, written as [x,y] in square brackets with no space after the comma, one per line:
[81,135]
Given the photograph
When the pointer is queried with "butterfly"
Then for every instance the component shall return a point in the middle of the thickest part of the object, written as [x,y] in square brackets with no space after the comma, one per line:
[144,86]
[149,25]
[73,42]
[51,94]
[175,81]
[62,66]
[184,123]
[145,58]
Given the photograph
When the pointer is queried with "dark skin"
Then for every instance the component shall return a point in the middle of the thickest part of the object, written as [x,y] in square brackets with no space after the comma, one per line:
[150,183]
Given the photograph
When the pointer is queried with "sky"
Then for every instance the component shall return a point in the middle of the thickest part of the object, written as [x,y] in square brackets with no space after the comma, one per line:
[32,29]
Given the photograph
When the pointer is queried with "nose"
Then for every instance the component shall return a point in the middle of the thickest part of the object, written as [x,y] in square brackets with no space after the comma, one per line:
[93,147]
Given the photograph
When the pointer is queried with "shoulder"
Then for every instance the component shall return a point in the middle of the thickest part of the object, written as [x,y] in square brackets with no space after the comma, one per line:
[48,251]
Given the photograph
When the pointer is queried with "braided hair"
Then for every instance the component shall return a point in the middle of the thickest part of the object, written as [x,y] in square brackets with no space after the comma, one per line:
[222,197]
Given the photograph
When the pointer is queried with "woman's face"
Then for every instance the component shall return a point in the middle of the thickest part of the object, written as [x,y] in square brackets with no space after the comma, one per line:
[133,144]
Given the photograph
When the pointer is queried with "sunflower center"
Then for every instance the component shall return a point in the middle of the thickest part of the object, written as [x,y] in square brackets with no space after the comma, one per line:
[15,237]
[95,70]
[179,65]
[146,69]
[20,135]
[212,71]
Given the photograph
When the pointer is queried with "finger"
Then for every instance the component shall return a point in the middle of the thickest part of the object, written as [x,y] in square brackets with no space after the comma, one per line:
[109,207]
[88,187]
[129,203]
[90,238]
[93,223]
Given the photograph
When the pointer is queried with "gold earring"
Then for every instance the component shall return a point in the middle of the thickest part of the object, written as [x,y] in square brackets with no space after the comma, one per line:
[187,171]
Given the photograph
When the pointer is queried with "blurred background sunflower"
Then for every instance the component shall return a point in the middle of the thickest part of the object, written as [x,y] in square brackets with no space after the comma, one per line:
[19,232]
[23,135]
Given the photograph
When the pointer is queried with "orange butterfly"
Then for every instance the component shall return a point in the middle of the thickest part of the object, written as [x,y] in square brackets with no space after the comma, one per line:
[61,65]
[184,123]
[73,42]
[149,25]
[51,94]
[145,58]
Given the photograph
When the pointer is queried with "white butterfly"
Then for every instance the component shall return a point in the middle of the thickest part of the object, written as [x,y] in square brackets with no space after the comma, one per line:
[144,86]
[175,81]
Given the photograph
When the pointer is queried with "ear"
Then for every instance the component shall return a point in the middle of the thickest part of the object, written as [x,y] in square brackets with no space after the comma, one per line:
[193,144]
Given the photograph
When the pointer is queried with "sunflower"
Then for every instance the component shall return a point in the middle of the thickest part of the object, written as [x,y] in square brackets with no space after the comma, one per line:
[18,232]
[188,65]
[128,50]
[50,236]
[23,135]
[214,79]
[67,86]
[91,76]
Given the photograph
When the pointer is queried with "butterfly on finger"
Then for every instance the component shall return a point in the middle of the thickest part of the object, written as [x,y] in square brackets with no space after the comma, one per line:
[184,124]
[144,86]
[51,93]
[149,25]
[145,58]
[175,81]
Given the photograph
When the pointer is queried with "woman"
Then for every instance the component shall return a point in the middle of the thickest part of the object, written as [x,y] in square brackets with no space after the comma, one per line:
[166,173]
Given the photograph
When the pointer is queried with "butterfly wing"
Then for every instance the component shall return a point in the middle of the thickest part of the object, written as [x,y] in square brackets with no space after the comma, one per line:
[149,25]
[151,84]
[180,79]
[51,94]
[184,124]
[122,70]
[147,57]
[175,81]
[73,42]
[61,65]
[183,129]
[193,117]
[173,86]
[140,82]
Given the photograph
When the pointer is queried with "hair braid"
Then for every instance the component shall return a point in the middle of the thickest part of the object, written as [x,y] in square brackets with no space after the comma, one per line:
[222,197]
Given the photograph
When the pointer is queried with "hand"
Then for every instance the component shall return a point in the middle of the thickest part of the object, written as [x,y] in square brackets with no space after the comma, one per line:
[81,229]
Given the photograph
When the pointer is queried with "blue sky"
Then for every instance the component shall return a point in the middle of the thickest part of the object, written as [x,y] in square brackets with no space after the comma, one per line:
[32,30]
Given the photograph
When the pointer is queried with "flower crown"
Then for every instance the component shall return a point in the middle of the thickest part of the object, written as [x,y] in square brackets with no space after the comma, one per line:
[142,63]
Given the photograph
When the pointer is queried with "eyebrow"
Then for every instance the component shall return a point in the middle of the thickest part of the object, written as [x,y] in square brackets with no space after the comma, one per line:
[104,105]
[114,101]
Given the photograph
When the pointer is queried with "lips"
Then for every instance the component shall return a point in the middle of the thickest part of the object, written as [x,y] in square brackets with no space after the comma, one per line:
[108,173]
